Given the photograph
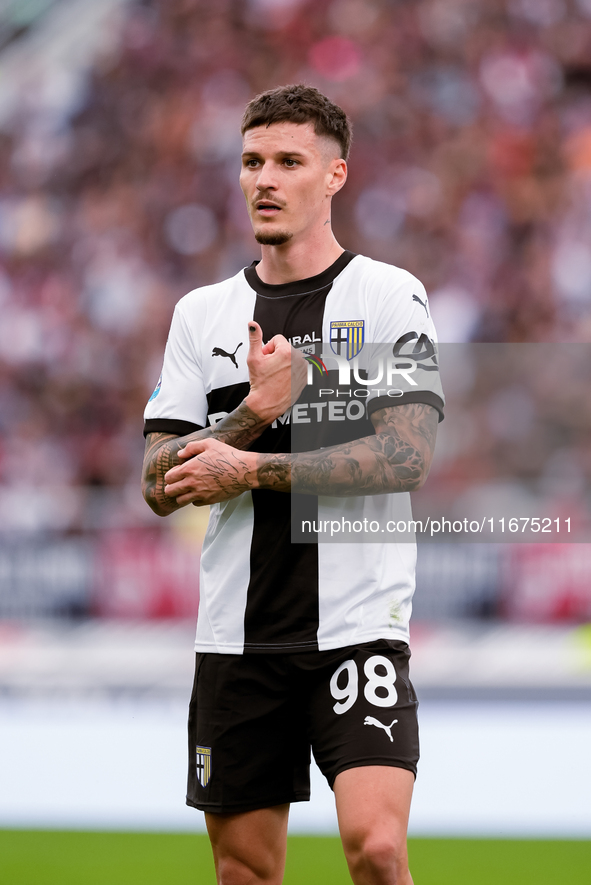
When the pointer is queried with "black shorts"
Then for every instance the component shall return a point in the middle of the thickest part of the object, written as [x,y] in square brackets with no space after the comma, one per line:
[253,719]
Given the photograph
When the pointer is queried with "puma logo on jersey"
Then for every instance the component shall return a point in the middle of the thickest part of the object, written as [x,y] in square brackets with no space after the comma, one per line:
[369,720]
[218,351]
[424,303]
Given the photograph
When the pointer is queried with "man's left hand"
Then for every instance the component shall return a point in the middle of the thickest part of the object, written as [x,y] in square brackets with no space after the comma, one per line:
[211,472]
[277,373]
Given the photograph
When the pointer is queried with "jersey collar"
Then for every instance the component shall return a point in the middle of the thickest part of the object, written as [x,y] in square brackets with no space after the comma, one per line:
[298,287]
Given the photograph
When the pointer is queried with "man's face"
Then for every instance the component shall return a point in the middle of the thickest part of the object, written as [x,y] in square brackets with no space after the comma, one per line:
[288,176]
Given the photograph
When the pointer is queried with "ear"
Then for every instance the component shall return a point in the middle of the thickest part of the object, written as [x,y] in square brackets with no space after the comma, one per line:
[336,177]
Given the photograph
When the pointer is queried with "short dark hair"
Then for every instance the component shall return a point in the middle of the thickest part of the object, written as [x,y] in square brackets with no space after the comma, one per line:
[299,103]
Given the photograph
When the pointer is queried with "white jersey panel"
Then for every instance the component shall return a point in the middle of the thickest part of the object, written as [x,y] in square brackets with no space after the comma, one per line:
[379,578]
[224,332]
[382,296]
[392,305]
[179,394]
[365,588]
[225,575]
[206,349]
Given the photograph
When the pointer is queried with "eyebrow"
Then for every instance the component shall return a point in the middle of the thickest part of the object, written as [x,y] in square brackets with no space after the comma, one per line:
[279,153]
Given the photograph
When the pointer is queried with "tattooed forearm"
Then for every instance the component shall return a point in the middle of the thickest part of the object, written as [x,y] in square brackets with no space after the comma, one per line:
[238,429]
[372,466]
[397,459]
[274,472]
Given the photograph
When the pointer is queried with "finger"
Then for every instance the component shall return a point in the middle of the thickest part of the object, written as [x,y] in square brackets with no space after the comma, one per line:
[188,499]
[173,490]
[255,340]
[278,344]
[195,447]
[175,474]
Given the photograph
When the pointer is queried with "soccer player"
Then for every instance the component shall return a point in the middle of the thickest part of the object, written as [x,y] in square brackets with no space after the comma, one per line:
[300,643]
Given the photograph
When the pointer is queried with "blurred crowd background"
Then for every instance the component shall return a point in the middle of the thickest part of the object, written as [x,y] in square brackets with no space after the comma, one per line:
[119,161]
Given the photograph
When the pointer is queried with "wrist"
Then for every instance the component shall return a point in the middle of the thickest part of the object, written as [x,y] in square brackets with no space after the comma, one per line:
[251,465]
[255,403]
[272,471]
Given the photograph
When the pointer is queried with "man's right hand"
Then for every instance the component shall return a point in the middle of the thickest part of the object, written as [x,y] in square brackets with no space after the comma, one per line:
[277,372]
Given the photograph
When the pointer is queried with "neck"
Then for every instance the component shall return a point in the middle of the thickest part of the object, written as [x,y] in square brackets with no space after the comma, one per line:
[298,260]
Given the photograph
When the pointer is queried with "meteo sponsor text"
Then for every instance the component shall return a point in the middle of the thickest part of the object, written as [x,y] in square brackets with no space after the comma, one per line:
[329,410]
[332,410]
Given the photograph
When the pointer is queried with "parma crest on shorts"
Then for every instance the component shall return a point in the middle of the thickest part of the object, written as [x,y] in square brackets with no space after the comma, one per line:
[346,337]
[203,765]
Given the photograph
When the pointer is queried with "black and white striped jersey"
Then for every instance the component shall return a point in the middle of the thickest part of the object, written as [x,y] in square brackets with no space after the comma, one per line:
[272,580]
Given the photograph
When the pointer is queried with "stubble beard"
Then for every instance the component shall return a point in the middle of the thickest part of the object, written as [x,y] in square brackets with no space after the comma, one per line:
[273,238]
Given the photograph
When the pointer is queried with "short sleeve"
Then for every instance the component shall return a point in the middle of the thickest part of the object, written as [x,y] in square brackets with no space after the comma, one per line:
[178,403]
[404,356]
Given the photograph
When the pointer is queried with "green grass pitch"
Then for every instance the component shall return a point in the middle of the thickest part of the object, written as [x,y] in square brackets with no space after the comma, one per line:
[82,858]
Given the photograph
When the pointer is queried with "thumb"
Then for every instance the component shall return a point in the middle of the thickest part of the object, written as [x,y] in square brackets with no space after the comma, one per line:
[255,339]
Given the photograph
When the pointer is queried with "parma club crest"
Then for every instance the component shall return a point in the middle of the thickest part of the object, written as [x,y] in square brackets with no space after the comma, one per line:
[346,337]
[203,765]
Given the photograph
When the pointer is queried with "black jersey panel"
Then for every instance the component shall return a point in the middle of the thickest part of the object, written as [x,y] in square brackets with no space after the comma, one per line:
[333,417]
[292,315]
[295,317]
[226,399]
[170,425]
[282,601]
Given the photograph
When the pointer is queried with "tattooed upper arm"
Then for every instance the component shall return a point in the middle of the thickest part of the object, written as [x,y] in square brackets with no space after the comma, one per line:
[414,424]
